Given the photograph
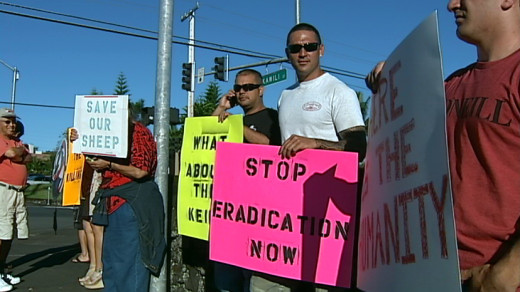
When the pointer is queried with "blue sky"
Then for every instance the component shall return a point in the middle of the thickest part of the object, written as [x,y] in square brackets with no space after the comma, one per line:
[58,61]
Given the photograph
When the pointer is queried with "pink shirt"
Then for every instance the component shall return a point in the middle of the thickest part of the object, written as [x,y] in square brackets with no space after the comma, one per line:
[11,172]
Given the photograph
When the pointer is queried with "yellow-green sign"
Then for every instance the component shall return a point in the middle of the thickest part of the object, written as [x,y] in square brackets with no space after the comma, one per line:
[201,135]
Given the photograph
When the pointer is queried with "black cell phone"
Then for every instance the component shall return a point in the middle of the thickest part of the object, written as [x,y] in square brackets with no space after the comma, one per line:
[233,101]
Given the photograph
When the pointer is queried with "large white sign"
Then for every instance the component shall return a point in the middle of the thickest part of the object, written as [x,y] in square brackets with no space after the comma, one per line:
[407,236]
[102,124]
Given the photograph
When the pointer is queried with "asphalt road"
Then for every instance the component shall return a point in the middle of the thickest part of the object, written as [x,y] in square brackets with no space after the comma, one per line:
[44,260]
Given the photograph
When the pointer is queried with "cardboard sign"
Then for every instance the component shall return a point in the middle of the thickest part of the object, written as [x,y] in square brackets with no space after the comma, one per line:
[199,143]
[102,124]
[73,179]
[291,218]
[407,236]
[58,169]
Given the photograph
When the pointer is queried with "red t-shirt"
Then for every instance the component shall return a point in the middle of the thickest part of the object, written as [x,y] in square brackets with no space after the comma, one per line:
[143,155]
[483,128]
[11,172]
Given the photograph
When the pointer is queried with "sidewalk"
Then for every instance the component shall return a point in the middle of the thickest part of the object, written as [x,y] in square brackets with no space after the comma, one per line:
[44,260]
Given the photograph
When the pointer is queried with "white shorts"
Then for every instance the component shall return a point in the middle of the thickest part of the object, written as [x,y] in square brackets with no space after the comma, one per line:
[13,214]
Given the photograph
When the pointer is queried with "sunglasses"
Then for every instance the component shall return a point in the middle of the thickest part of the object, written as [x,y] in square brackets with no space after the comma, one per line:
[8,122]
[246,87]
[309,47]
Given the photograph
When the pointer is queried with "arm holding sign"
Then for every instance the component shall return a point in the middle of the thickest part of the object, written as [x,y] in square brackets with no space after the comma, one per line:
[126,170]
[228,101]
[352,139]
[503,275]
[255,137]
[372,79]
[73,135]
[143,158]
[248,94]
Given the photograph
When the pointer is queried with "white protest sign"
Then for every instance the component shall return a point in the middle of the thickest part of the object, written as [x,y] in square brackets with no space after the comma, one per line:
[102,124]
[407,238]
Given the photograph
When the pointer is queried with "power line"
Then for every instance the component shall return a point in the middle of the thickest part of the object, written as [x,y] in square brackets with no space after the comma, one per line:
[39,105]
[133,28]
[129,34]
[250,17]
[247,53]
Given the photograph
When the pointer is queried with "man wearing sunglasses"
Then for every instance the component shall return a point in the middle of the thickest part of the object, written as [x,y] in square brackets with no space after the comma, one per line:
[260,127]
[13,178]
[319,111]
[260,122]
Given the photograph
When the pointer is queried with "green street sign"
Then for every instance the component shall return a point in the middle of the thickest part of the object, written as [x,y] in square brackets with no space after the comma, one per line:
[275,77]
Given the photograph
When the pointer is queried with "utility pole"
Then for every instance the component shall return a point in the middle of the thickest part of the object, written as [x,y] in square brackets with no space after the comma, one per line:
[191,56]
[162,124]
[298,10]
[16,76]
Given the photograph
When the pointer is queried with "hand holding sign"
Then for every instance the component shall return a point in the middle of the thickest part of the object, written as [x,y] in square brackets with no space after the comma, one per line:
[102,124]
[295,144]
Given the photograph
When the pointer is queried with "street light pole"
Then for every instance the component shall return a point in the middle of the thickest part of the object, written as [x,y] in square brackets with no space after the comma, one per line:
[16,76]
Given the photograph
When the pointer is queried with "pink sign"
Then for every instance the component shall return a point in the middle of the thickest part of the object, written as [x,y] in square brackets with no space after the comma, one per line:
[290,218]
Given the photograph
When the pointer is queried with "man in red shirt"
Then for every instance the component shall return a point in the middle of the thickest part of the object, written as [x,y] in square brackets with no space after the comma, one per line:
[483,122]
[13,178]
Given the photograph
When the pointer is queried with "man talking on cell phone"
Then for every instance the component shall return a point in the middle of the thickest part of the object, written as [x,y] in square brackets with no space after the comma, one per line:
[260,127]
[260,122]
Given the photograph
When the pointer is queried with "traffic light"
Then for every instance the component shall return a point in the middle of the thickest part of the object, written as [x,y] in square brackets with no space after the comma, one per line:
[187,74]
[147,115]
[221,68]
[174,116]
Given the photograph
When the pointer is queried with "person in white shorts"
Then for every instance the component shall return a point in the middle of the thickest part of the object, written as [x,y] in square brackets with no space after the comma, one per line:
[13,178]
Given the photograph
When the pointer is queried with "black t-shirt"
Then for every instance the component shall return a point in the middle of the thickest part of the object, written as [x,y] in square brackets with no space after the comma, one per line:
[265,122]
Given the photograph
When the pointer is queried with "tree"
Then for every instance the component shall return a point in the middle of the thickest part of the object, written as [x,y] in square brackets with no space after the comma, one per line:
[41,165]
[121,85]
[136,109]
[94,91]
[363,103]
[206,103]
[122,88]
[203,106]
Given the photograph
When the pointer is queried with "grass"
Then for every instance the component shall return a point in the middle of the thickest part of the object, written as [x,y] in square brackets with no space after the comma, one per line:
[38,192]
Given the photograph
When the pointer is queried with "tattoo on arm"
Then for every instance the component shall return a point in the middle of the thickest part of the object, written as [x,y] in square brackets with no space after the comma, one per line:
[352,139]
[331,145]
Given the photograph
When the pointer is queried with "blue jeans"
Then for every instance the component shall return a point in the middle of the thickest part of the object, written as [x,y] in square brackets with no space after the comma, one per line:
[123,269]
[230,278]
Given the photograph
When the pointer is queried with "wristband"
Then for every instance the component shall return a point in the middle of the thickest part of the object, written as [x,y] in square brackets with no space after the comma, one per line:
[110,165]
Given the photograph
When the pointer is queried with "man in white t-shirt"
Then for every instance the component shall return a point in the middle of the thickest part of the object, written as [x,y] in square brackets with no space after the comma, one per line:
[319,111]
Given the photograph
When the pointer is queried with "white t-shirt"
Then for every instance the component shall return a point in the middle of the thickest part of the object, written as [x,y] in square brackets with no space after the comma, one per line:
[319,108]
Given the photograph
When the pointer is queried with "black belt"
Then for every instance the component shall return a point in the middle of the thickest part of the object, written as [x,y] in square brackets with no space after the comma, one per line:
[11,187]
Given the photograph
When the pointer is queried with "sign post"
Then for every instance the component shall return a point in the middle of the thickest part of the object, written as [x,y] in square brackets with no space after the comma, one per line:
[200,75]
[275,77]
